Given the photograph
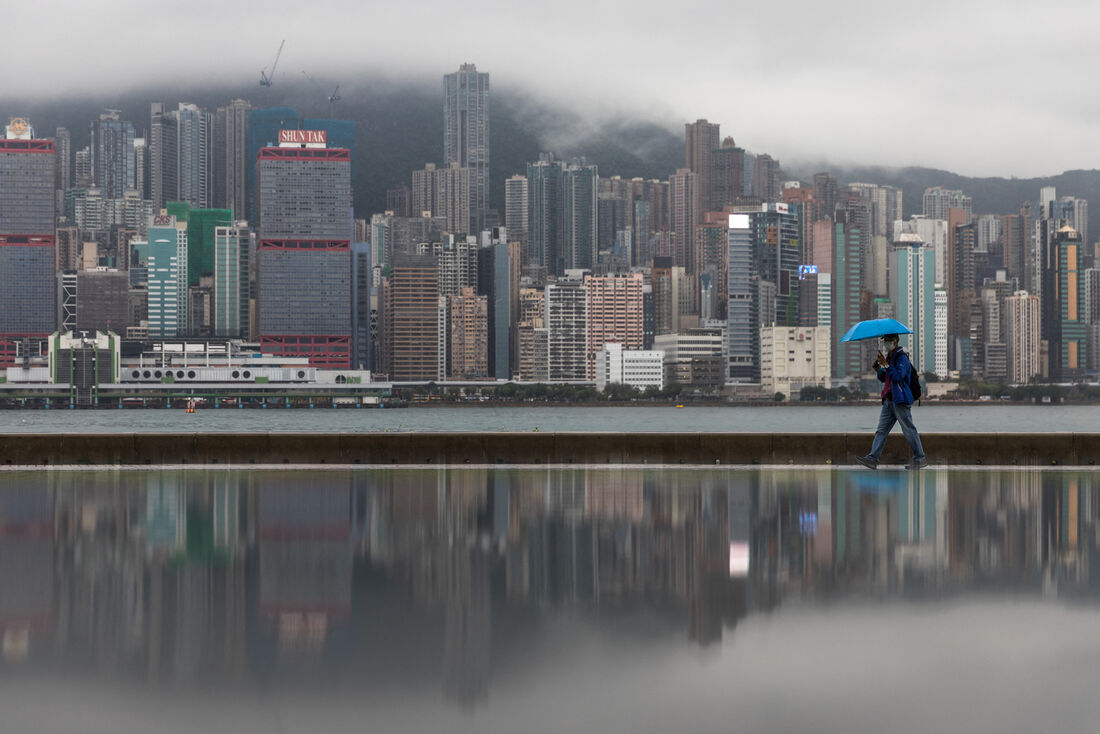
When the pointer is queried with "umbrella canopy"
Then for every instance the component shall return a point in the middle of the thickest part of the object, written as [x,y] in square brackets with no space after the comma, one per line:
[875,328]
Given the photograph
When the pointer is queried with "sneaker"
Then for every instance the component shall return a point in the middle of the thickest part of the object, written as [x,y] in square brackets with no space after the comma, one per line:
[867,462]
[919,464]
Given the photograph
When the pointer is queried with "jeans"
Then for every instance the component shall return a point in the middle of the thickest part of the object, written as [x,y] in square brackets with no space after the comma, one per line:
[893,413]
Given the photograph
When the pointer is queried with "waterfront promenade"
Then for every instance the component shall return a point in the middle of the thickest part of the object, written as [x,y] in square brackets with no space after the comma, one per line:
[535,448]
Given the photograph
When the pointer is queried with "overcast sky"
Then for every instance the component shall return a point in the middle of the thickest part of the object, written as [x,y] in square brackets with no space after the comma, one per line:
[974,86]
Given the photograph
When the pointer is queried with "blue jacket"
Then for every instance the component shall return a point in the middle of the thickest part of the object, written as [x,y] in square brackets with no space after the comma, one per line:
[897,370]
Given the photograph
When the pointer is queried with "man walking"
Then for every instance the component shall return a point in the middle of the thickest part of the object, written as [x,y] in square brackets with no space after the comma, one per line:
[897,400]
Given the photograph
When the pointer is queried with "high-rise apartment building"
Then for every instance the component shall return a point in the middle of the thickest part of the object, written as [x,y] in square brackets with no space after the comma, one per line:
[466,134]
[614,313]
[567,336]
[766,183]
[82,167]
[231,157]
[445,192]
[304,249]
[27,246]
[1063,305]
[685,210]
[468,337]
[196,155]
[63,147]
[940,317]
[826,190]
[1022,336]
[938,200]
[729,176]
[700,153]
[163,155]
[498,273]
[232,246]
[112,156]
[364,307]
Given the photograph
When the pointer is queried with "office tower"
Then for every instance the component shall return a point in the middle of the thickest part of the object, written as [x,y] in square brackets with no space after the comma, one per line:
[165,256]
[304,249]
[684,207]
[1014,236]
[515,207]
[1022,336]
[961,275]
[412,328]
[672,295]
[201,226]
[847,289]
[498,280]
[399,201]
[27,248]
[1063,305]
[579,228]
[67,248]
[468,335]
[466,135]
[614,312]
[700,153]
[777,253]
[445,192]
[940,298]
[711,239]
[63,147]
[232,247]
[362,290]
[196,155]
[938,200]
[163,155]
[544,212]
[231,161]
[742,317]
[729,176]
[567,325]
[825,194]
[82,167]
[103,300]
[765,178]
[932,232]
[112,158]
[914,299]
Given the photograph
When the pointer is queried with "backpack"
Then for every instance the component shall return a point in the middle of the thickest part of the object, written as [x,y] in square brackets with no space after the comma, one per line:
[914,381]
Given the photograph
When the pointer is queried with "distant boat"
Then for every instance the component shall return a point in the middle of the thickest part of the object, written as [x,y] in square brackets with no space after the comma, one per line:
[680,406]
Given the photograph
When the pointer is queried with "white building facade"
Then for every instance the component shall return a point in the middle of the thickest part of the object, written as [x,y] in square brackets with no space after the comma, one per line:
[640,368]
[793,357]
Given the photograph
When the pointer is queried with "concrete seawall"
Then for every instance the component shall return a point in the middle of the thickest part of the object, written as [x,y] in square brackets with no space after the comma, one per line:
[1024,449]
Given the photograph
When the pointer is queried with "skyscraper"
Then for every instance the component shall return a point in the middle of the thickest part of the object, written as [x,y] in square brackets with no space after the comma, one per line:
[196,155]
[28,289]
[938,200]
[445,192]
[466,134]
[412,321]
[580,184]
[304,251]
[363,307]
[231,292]
[914,299]
[1066,337]
[847,289]
[684,205]
[469,335]
[166,260]
[729,176]
[231,157]
[567,323]
[765,181]
[515,208]
[742,319]
[700,147]
[63,145]
[1022,336]
[163,155]
[544,211]
[112,159]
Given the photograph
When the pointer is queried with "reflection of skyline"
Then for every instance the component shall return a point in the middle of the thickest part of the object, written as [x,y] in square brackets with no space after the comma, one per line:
[438,575]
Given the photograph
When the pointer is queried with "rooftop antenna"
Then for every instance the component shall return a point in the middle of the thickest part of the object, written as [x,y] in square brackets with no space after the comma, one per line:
[265,80]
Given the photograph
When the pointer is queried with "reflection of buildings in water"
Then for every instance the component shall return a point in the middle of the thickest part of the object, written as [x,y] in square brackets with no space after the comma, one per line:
[304,556]
[26,565]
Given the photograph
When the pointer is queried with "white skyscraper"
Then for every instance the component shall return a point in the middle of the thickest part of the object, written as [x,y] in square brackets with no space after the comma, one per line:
[1022,334]
[941,331]
[196,156]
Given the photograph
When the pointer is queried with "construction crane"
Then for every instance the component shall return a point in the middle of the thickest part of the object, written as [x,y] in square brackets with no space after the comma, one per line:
[332,98]
[265,80]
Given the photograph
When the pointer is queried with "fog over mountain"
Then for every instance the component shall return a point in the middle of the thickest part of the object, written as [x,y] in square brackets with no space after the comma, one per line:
[400,128]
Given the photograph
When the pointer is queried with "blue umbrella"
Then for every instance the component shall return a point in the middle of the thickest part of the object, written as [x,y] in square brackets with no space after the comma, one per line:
[875,328]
